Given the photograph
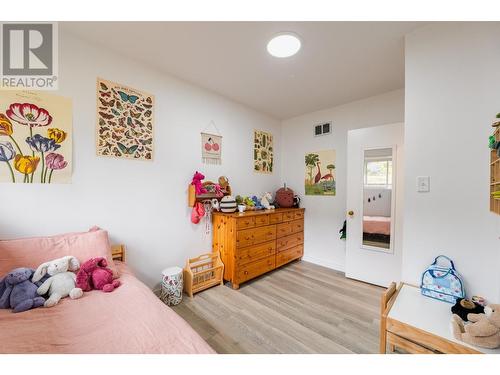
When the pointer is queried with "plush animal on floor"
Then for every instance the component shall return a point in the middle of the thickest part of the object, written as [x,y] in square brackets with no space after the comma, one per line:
[61,282]
[483,329]
[198,187]
[95,274]
[264,201]
[18,292]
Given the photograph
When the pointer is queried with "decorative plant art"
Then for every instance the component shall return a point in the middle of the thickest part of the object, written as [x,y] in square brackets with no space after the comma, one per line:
[320,173]
[125,119]
[35,138]
[263,152]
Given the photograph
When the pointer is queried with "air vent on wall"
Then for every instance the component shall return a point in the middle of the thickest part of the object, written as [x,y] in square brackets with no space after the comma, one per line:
[322,129]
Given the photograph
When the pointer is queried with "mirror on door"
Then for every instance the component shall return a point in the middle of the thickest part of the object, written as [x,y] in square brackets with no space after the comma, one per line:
[377,199]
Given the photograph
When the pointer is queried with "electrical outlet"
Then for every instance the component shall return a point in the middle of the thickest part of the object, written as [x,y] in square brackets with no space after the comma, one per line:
[423,184]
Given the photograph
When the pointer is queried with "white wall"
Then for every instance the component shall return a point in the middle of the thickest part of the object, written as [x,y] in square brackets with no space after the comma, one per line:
[325,215]
[378,206]
[142,204]
[452,81]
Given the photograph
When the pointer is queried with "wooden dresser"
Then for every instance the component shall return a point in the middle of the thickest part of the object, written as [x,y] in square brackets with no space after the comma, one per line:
[255,242]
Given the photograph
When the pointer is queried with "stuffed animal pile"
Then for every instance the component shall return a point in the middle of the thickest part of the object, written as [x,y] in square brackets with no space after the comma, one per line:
[23,289]
[483,329]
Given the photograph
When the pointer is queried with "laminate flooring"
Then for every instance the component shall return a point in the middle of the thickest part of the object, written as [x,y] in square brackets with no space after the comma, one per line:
[298,308]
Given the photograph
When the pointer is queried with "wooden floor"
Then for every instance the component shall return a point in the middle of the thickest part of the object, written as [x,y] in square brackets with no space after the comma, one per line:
[299,308]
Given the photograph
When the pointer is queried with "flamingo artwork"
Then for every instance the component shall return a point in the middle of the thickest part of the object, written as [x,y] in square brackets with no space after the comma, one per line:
[317,178]
[327,177]
[317,183]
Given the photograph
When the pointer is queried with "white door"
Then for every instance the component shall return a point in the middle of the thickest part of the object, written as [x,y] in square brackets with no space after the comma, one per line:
[374,204]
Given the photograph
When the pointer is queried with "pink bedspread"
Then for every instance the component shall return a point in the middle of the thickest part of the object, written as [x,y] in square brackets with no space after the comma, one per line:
[129,320]
[377,225]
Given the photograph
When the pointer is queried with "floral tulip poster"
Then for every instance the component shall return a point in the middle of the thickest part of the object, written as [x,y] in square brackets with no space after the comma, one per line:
[35,137]
[320,176]
[263,152]
[124,121]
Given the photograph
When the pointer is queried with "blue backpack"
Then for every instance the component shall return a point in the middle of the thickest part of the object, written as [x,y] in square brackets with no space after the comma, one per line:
[442,283]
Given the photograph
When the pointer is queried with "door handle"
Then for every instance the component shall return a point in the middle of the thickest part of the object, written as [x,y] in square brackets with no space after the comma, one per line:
[350,213]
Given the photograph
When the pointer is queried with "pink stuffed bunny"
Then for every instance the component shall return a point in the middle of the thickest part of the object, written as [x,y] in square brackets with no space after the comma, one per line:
[197,178]
[94,274]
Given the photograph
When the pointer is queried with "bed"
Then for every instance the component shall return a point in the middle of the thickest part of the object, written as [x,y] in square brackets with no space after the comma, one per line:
[377,225]
[131,319]
[377,231]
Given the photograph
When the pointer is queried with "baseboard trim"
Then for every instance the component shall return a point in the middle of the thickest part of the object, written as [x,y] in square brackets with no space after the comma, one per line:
[325,263]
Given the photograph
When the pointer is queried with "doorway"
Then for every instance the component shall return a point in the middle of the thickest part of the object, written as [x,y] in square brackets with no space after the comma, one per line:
[374,203]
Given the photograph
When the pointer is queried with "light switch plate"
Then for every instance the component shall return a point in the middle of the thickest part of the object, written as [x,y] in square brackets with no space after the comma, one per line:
[423,184]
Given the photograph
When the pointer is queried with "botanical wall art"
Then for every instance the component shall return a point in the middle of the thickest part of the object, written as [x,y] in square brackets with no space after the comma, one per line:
[320,173]
[125,118]
[35,137]
[263,152]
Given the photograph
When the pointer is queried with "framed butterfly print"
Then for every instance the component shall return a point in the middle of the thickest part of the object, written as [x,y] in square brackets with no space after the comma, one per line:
[125,121]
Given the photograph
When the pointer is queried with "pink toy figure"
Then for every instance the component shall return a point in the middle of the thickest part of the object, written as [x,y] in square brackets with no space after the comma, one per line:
[197,178]
[218,191]
[94,274]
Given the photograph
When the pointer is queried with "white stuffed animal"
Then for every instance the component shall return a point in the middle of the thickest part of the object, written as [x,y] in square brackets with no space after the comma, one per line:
[61,282]
[264,201]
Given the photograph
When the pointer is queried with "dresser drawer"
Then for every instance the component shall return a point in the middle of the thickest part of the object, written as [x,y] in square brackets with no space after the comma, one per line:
[261,220]
[283,229]
[297,226]
[244,238]
[245,222]
[289,215]
[252,253]
[264,234]
[287,242]
[286,256]
[275,218]
[255,236]
[298,215]
[254,269]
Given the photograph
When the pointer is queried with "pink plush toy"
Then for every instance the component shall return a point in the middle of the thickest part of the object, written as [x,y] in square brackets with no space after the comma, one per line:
[94,274]
[197,178]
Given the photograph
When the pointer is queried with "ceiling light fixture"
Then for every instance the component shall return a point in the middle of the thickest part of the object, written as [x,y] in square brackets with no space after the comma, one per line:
[284,45]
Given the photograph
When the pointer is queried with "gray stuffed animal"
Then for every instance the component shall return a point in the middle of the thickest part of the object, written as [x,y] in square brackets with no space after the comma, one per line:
[18,292]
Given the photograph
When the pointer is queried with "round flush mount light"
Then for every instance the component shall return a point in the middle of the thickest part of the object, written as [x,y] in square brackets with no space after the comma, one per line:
[284,45]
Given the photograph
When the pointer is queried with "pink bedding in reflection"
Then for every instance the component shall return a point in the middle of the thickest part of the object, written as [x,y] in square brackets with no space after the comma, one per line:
[377,225]
[130,319]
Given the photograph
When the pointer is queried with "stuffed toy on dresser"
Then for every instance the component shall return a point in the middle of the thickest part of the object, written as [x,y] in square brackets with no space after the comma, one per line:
[61,282]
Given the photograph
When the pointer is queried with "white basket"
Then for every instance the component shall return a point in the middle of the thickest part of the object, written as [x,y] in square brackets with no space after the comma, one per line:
[171,286]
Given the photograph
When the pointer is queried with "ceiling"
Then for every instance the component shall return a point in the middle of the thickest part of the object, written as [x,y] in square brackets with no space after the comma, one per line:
[339,61]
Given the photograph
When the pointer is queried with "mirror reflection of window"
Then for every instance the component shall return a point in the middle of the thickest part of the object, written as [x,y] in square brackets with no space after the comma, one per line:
[377,198]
